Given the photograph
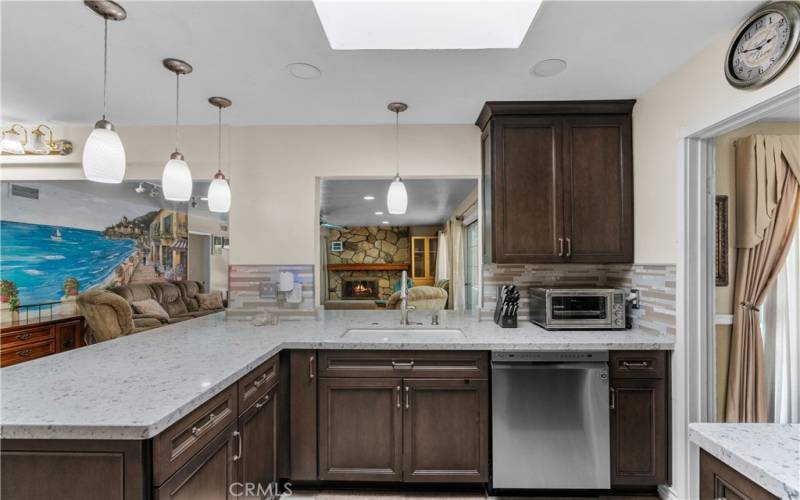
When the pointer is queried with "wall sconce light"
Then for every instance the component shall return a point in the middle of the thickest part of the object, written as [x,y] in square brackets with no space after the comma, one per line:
[15,142]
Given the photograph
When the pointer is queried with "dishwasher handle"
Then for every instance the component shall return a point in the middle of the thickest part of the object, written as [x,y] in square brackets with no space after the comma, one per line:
[549,365]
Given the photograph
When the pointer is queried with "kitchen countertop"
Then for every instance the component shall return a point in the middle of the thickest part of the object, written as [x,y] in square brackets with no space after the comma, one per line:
[768,454]
[135,387]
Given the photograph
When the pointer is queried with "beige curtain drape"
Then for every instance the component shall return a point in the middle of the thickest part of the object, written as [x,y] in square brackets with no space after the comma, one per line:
[455,231]
[767,208]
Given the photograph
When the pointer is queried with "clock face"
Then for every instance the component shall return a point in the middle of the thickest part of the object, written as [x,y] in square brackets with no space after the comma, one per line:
[762,47]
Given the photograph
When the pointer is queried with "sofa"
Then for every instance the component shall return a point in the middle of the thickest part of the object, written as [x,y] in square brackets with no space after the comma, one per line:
[111,313]
[429,298]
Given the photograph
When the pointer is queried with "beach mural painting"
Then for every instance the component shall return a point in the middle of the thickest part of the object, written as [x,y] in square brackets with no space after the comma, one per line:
[66,242]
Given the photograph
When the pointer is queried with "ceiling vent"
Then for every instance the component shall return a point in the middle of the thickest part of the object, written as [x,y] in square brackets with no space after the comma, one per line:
[24,192]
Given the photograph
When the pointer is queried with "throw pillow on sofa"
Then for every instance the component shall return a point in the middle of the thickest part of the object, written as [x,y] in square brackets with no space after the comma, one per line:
[209,301]
[150,307]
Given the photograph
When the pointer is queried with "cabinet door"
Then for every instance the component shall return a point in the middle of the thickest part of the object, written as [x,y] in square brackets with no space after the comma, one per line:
[526,190]
[639,451]
[445,430]
[360,429]
[258,429]
[69,335]
[718,480]
[598,189]
[303,415]
[208,475]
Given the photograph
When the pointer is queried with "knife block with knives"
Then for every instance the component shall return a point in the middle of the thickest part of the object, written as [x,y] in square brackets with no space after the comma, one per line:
[505,312]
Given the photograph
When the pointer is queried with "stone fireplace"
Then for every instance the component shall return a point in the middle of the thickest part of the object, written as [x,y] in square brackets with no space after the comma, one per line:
[360,288]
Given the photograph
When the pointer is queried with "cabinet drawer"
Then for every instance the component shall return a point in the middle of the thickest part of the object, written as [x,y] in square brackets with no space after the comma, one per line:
[255,384]
[638,364]
[27,336]
[718,480]
[26,352]
[408,364]
[183,439]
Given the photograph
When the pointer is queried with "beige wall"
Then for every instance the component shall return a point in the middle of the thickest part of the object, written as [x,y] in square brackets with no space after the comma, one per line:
[691,98]
[725,168]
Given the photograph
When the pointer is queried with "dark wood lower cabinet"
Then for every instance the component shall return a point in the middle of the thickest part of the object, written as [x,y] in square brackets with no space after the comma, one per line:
[206,476]
[718,480]
[360,429]
[445,430]
[258,430]
[303,412]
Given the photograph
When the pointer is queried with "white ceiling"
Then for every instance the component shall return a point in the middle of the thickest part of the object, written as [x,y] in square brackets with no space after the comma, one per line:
[430,201]
[52,62]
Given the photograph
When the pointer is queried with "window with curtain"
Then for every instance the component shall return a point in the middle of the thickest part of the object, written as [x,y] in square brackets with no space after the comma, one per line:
[780,327]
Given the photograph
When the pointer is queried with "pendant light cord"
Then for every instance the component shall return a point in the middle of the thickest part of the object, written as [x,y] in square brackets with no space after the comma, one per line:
[177,109]
[105,69]
[219,140]
[397,142]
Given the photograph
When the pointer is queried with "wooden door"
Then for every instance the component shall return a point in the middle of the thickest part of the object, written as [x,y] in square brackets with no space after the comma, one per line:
[526,190]
[445,430]
[360,429]
[208,475]
[69,335]
[639,453]
[303,415]
[598,189]
[258,429]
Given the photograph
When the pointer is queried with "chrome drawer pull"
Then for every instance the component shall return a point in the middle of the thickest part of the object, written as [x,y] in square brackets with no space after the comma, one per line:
[264,401]
[260,380]
[238,436]
[636,364]
[25,352]
[202,428]
[24,336]
[613,394]
[397,390]
[404,366]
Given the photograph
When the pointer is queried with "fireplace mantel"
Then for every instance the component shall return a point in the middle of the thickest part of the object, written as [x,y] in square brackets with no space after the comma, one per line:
[368,267]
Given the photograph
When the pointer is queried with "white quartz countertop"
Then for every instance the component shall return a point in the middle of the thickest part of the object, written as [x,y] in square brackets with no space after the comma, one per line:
[135,387]
[768,454]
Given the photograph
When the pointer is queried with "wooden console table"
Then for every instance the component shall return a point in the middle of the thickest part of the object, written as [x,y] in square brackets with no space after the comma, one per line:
[30,339]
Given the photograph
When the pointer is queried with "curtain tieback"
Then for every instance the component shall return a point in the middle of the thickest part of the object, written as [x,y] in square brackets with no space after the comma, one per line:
[749,306]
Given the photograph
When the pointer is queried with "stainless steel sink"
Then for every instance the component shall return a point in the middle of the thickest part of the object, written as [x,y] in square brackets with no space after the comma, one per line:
[404,333]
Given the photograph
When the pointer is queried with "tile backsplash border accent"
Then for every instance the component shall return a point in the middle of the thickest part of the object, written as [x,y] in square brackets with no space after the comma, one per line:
[656,283]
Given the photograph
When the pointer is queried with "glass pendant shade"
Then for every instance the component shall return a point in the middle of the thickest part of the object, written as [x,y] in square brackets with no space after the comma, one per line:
[38,145]
[176,181]
[104,156]
[12,143]
[397,198]
[219,194]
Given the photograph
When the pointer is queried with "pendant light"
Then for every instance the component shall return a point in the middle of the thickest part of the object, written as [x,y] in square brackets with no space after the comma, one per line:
[103,154]
[219,192]
[176,181]
[397,197]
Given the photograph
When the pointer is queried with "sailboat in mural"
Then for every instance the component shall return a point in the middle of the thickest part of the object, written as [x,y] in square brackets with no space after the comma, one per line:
[56,236]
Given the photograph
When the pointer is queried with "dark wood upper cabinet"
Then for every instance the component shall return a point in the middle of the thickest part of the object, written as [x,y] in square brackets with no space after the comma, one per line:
[445,430]
[558,181]
[360,429]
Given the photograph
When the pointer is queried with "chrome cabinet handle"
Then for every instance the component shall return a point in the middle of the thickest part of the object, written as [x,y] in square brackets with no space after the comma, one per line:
[560,247]
[260,380]
[636,364]
[569,247]
[264,401]
[405,366]
[311,367]
[24,336]
[397,391]
[613,404]
[199,430]
[238,436]
[408,404]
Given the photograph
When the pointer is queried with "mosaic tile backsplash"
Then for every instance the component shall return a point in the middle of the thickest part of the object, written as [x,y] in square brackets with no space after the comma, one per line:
[656,284]
[254,289]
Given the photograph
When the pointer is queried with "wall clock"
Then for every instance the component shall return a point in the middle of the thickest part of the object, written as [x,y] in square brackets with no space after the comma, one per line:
[764,45]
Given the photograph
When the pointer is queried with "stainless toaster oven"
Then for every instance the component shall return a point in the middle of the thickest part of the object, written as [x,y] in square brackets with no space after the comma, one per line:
[578,308]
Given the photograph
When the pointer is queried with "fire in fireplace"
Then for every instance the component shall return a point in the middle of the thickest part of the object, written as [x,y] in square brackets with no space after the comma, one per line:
[360,288]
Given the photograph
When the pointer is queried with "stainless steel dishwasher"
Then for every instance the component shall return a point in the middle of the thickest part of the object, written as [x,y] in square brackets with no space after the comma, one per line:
[550,416]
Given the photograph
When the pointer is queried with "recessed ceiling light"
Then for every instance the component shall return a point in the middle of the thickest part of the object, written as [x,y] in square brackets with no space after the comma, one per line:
[378,213]
[431,25]
[385,222]
[549,67]
[304,71]
[369,197]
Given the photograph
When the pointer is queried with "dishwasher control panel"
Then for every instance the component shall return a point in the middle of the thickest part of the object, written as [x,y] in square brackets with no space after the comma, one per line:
[549,356]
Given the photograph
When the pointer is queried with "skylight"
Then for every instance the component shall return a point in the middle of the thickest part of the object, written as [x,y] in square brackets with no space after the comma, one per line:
[425,25]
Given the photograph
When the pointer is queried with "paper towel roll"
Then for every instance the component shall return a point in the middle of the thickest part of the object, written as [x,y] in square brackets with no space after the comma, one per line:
[286,282]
